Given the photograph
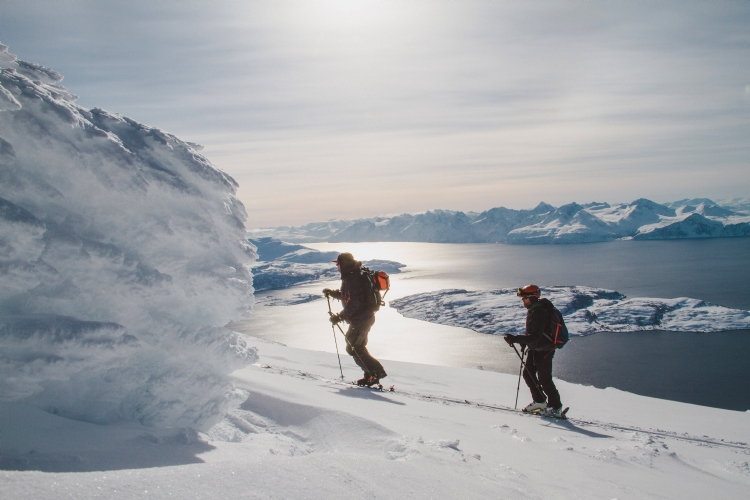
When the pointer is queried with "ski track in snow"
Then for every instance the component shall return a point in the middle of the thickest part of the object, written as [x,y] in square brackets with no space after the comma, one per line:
[300,434]
[396,393]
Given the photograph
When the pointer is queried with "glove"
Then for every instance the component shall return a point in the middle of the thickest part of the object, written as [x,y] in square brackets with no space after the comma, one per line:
[335,318]
[327,292]
[510,339]
[336,294]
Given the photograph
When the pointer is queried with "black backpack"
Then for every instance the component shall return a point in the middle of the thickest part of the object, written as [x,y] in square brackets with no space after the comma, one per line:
[375,282]
[559,334]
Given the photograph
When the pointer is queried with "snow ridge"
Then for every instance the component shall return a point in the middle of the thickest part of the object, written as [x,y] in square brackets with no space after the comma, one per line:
[122,256]
[586,310]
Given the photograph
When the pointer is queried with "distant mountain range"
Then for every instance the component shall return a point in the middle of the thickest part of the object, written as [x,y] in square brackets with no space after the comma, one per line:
[573,223]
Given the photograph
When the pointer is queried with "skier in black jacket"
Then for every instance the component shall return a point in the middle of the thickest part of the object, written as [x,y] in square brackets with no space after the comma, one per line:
[541,349]
[359,317]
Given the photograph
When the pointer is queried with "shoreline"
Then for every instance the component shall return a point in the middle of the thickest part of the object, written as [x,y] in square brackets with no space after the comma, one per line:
[396,338]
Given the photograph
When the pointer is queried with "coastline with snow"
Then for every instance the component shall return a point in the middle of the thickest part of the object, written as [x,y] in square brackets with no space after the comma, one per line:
[586,311]
[282,265]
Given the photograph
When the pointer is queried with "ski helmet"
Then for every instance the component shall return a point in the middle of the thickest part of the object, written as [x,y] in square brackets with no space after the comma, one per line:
[347,261]
[529,291]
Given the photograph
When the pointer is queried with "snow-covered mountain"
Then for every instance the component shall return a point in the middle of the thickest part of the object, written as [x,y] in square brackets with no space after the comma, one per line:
[572,223]
[308,233]
[122,256]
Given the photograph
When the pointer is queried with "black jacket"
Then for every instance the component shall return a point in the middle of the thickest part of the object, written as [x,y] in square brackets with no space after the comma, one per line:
[538,323]
[352,295]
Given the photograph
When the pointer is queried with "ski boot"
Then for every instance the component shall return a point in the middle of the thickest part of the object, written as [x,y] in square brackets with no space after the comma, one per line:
[534,407]
[554,412]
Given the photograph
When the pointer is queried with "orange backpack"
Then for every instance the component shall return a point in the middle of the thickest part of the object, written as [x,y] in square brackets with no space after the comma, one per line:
[377,281]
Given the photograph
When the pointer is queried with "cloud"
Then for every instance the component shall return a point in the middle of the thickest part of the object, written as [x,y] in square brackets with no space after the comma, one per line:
[445,90]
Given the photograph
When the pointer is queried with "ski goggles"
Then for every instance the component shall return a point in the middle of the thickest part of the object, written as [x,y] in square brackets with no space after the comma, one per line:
[528,293]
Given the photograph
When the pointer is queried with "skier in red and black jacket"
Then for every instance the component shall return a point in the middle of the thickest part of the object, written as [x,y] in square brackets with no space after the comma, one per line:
[359,317]
[541,349]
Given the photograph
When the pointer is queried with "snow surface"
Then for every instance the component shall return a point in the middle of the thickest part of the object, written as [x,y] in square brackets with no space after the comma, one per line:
[572,223]
[444,433]
[586,310]
[122,256]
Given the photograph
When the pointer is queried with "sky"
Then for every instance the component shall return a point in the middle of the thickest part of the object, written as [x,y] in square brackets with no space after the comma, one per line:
[357,108]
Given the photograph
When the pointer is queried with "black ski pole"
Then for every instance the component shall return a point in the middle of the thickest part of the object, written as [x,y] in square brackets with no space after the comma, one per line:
[333,329]
[518,387]
[524,367]
[354,350]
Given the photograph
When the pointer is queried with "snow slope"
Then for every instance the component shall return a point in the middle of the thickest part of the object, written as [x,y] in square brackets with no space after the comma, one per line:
[122,255]
[572,223]
[586,310]
[444,433]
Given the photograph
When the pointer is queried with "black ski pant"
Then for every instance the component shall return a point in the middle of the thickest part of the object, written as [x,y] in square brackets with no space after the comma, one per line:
[356,346]
[538,376]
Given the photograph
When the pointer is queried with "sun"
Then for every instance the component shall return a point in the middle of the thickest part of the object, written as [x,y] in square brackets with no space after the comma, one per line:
[348,12]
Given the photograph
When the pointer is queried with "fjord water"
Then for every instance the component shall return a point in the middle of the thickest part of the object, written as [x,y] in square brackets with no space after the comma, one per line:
[702,368]
[715,270]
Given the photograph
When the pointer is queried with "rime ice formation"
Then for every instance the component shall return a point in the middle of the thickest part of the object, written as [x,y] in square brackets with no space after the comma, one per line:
[586,310]
[122,255]
[573,223]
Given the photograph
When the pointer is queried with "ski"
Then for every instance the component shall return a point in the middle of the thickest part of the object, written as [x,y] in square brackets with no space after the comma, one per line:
[375,387]
[562,416]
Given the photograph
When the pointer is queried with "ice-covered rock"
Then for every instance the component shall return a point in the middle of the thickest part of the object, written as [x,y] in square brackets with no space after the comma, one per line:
[122,256]
[586,310]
